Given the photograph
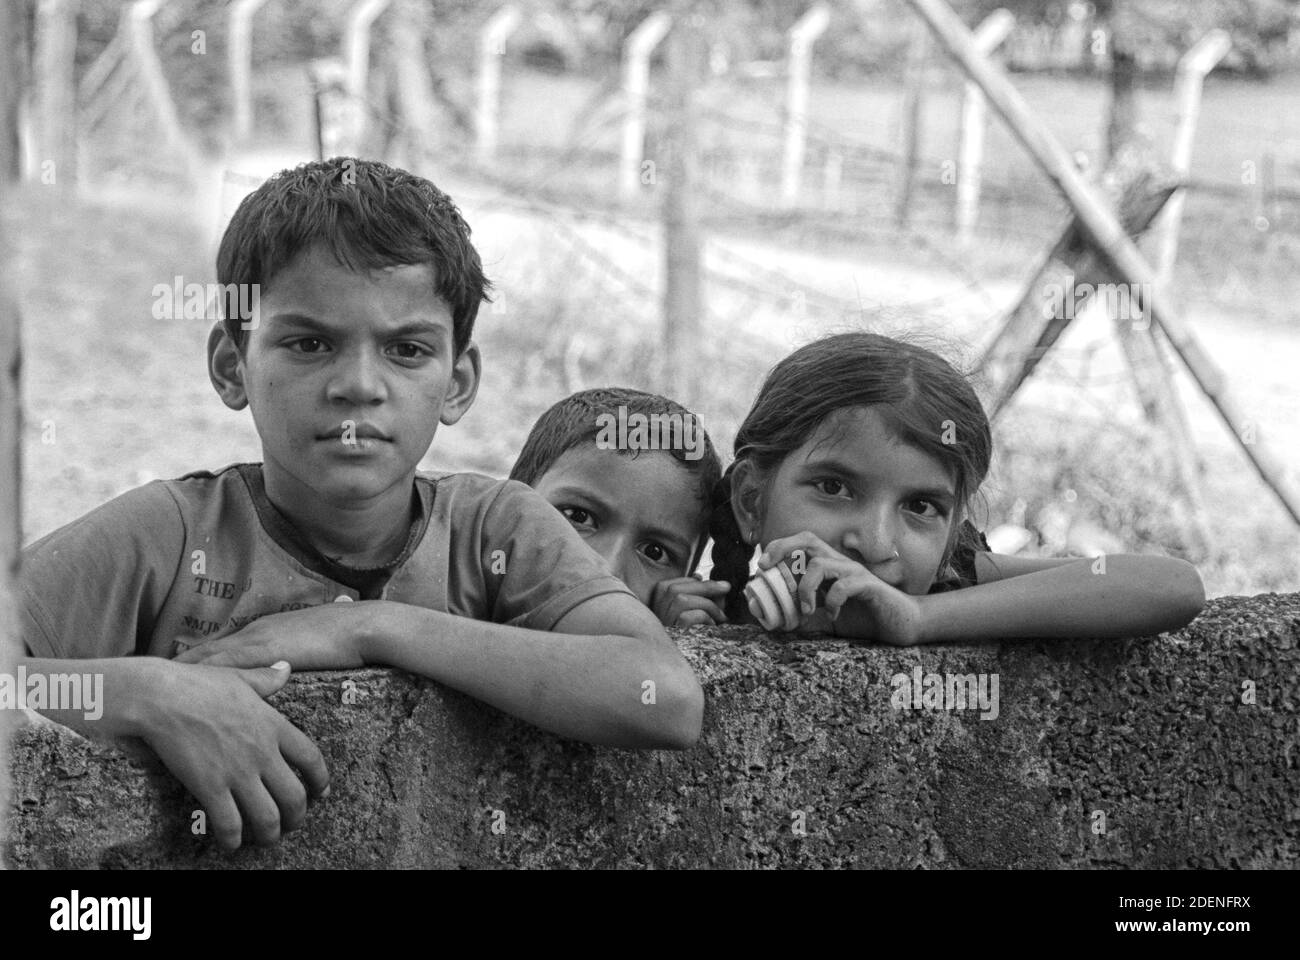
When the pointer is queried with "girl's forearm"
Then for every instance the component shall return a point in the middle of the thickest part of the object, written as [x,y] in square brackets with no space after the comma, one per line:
[1111,597]
[590,688]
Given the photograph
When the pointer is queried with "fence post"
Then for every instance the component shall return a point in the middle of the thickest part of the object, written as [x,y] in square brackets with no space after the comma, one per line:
[636,82]
[56,90]
[1106,234]
[683,247]
[913,97]
[356,52]
[140,26]
[970,150]
[802,36]
[1192,68]
[10,392]
[491,48]
[241,57]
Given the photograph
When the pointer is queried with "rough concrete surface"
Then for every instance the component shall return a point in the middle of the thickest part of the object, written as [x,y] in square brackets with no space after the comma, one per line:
[1135,753]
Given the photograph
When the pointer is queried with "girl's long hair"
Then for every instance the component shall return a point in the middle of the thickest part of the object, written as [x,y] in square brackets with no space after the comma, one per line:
[922,398]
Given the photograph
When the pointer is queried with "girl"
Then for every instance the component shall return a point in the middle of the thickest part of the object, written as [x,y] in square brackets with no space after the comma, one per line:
[855,467]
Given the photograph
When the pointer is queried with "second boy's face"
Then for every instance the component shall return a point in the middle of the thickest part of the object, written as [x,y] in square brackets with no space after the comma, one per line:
[642,514]
[348,375]
[858,488]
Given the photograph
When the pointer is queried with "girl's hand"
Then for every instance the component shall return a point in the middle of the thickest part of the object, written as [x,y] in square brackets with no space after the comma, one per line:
[689,601]
[325,637]
[876,611]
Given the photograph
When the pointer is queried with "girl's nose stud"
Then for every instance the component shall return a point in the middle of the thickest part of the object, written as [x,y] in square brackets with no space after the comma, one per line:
[771,598]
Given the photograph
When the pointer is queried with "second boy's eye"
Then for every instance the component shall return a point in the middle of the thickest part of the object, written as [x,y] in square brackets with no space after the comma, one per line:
[579,517]
[657,553]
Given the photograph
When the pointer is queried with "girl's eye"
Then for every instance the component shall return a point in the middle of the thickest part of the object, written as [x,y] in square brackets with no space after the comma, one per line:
[831,487]
[578,516]
[926,508]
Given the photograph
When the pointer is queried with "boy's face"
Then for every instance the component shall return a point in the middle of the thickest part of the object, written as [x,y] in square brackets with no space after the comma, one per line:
[348,375]
[642,513]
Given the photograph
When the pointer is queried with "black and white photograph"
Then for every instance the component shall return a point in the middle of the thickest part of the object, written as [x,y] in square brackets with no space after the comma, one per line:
[651,435]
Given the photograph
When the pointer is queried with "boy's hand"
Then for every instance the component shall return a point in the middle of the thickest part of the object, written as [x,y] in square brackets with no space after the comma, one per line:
[685,601]
[234,752]
[878,611]
[325,637]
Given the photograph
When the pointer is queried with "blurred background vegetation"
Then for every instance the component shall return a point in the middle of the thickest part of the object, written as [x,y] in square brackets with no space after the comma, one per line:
[114,397]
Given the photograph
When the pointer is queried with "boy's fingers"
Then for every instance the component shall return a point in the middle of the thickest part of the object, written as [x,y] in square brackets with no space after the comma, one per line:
[694,618]
[261,815]
[305,757]
[266,680]
[289,795]
[223,820]
[703,605]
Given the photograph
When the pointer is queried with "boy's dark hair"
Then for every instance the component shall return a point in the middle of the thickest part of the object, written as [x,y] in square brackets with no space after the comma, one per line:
[574,421]
[370,215]
[917,392]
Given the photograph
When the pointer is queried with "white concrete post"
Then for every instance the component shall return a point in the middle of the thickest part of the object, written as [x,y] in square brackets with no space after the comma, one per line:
[491,48]
[356,53]
[636,82]
[241,56]
[802,36]
[970,150]
[1192,68]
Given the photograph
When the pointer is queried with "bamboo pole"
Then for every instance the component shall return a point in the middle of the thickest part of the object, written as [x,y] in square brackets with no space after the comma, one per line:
[1105,232]
[913,109]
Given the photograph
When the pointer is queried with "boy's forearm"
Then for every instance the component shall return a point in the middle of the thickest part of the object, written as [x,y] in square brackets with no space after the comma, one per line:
[609,690]
[115,693]
[1135,596]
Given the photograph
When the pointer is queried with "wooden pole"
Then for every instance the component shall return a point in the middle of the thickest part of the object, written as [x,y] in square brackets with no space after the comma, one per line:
[491,49]
[241,67]
[913,100]
[636,83]
[1107,235]
[970,150]
[1192,68]
[56,92]
[801,38]
[683,288]
[10,391]
[407,29]
[356,52]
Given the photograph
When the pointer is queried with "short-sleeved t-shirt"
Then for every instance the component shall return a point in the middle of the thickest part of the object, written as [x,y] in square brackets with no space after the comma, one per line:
[175,563]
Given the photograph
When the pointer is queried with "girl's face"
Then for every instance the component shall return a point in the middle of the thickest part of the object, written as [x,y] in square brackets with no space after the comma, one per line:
[864,492]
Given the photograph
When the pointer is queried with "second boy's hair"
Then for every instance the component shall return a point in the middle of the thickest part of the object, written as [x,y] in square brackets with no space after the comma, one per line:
[369,215]
[575,421]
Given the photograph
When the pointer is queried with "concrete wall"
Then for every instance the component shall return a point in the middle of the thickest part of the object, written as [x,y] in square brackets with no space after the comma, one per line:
[1139,753]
